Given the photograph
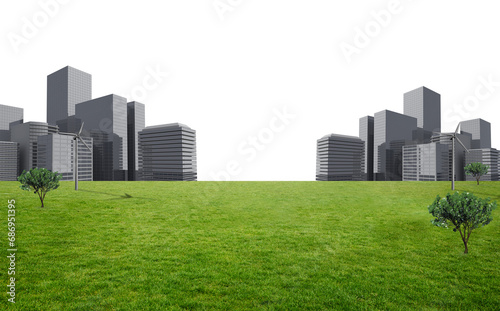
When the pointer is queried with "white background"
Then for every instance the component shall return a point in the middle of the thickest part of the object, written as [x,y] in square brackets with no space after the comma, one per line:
[230,70]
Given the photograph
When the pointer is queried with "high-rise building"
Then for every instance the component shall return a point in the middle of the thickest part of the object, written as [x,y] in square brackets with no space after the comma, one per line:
[56,153]
[9,116]
[26,134]
[136,122]
[167,152]
[340,157]
[392,131]
[366,131]
[9,160]
[427,162]
[66,88]
[69,125]
[480,131]
[105,120]
[424,105]
[486,156]
[445,139]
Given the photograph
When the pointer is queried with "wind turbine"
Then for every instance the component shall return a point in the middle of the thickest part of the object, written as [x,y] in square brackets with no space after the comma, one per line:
[453,137]
[76,137]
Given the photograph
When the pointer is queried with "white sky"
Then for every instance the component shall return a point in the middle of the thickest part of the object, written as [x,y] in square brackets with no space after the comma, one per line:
[228,76]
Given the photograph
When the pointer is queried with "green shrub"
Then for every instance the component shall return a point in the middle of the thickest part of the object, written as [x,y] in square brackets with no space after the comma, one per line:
[463,212]
[40,181]
[476,170]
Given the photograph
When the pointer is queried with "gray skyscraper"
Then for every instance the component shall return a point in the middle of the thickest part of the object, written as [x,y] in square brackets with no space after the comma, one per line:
[486,156]
[167,152]
[427,162]
[56,153]
[66,88]
[424,105]
[480,131]
[9,160]
[105,120]
[26,134]
[9,116]
[366,134]
[69,125]
[392,131]
[466,139]
[136,122]
[339,157]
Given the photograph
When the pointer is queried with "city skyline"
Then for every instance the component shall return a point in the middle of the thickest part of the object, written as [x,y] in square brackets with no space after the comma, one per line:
[407,147]
[386,138]
[114,144]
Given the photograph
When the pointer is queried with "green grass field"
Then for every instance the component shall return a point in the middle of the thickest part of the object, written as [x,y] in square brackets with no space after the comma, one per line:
[247,246]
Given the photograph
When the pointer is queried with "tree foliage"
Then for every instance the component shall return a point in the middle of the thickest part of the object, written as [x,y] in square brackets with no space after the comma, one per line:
[476,170]
[40,181]
[463,212]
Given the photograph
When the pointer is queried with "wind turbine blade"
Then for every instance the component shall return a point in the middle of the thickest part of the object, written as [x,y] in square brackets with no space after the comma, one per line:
[81,128]
[84,143]
[67,134]
[457,127]
[462,144]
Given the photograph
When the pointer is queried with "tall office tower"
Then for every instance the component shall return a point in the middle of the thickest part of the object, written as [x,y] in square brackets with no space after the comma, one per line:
[339,157]
[26,134]
[466,139]
[56,153]
[136,122]
[69,125]
[9,116]
[392,131]
[167,152]
[428,162]
[66,88]
[487,156]
[480,131]
[424,105]
[366,134]
[105,120]
[9,161]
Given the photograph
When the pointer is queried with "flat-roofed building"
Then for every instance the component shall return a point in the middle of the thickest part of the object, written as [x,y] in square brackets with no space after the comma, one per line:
[9,116]
[105,120]
[366,134]
[445,139]
[136,122]
[26,134]
[167,152]
[426,162]
[487,156]
[480,131]
[65,88]
[424,105]
[340,157]
[56,153]
[9,160]
[392,131]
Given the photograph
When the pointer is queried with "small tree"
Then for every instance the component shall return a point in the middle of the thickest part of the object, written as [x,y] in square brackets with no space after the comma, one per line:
[462,211]
[476,170]
[40,181]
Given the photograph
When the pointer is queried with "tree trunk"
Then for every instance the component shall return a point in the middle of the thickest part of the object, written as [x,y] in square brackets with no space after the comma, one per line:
[477,179]
[41,200]
[466,248]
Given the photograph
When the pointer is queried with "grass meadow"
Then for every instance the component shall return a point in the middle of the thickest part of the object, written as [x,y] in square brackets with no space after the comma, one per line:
[246,246]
